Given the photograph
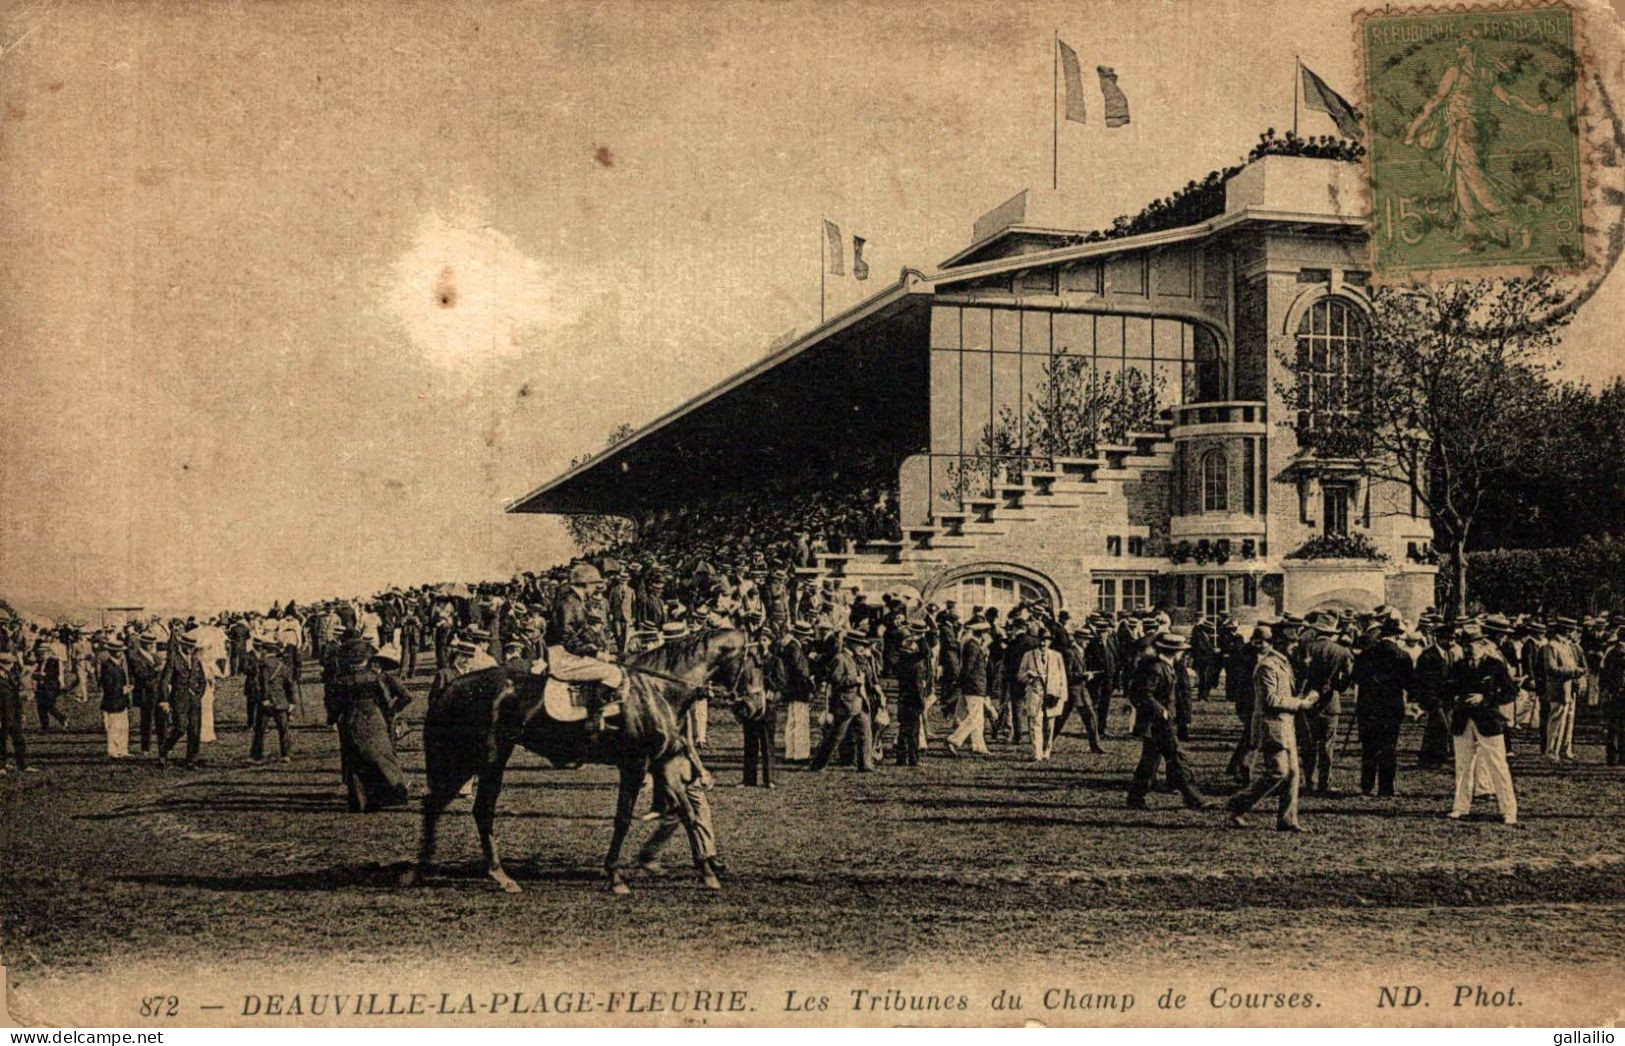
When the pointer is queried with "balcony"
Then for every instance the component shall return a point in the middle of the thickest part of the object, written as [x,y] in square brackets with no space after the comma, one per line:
[1225,418]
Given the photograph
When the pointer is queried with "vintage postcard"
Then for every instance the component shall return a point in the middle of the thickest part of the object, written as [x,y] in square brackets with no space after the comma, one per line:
[717,514]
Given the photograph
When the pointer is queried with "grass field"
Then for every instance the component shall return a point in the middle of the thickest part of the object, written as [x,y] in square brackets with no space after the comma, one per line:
[113,866]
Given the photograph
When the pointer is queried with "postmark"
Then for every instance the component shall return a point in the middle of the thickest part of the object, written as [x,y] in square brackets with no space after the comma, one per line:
[1476,160]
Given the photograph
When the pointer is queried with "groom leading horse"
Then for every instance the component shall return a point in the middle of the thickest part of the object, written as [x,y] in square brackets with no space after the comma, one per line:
[474,725]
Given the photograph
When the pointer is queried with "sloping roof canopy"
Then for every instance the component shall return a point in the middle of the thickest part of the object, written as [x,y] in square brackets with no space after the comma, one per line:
[863,376]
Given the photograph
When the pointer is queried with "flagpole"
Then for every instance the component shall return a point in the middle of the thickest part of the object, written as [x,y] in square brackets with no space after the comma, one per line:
[1297,75]
[823,266]
[1055,113]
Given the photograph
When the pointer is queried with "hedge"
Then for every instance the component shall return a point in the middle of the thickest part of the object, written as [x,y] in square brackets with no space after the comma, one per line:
[1581,579]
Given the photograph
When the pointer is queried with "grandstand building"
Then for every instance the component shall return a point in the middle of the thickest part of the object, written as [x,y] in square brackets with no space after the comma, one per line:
[989,389]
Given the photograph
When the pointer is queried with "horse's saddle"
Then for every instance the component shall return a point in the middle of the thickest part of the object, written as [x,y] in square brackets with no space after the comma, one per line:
[567,702]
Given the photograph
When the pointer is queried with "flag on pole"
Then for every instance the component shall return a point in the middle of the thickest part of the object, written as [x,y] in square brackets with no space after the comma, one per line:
[832,256]
[1116,101]
[860,268]
[1318,96]
[1074,82]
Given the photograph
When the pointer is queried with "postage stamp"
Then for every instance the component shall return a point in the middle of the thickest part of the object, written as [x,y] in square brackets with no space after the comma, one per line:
[1475,139]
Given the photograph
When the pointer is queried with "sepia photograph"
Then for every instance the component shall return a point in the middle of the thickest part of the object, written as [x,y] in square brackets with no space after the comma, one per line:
[719,513]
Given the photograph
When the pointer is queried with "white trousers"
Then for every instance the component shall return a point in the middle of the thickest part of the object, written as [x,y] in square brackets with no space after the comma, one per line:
[206,730]
[700,717]
[117,725]
[972,727]
[1560,726]
[797,730]
[1476,753]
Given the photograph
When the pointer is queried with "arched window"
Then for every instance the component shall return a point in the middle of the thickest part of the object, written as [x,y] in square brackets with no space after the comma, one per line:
[1215,482]
[1331,357]
[1003,591]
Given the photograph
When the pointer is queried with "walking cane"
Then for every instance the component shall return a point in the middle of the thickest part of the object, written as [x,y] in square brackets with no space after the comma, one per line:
[1344,740]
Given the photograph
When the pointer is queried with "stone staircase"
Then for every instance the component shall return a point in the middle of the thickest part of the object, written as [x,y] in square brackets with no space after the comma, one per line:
[1071,485]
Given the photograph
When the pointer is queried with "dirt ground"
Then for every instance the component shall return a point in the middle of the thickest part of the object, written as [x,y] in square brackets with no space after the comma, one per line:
[108,865]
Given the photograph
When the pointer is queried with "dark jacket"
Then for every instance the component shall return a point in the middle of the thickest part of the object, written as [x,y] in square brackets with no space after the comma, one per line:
[972,668]
[913,678]
[113,680]
[270,682]
[183,680]
[790,673]
[1432,679]
[1153,691]
[1384,674]
[1482,670]
[1324,666]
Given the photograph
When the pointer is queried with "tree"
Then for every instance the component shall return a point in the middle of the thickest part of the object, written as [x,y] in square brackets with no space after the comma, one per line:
[1574,487]
[1446,399]
[1072,412]
[592,533]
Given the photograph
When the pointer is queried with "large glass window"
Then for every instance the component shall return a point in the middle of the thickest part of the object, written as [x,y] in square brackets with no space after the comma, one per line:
[1215,596]
[1331,355]
[1010,386]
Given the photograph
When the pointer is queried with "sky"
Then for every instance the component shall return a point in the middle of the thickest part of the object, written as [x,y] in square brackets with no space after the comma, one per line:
[298,295]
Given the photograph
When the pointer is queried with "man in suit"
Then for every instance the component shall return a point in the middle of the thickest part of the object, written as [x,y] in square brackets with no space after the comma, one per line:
[1611,688]
[1079,699]
[1385,678]
[790,675]
[913,670]
[1434,666]
[1153,692]
[142,659]
[1565,673]
[1484,690]
[1274,733]
[270,687]
[1205,655]
[411,639]
[972,686]
[1103,657]
[1323,667]
[50,681]
[1240,666]
[114,683]
[11,712]
[848,706]
[184,681]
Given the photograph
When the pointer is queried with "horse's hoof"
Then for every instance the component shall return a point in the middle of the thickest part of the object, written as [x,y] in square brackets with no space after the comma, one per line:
[712,882]
[619,889]
[507,884]
[410,877]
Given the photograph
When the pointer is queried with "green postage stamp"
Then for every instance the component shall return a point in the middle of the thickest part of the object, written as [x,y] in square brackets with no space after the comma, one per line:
[1474,131]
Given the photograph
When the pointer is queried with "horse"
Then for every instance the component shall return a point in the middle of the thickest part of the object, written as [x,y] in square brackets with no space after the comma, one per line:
[473,726]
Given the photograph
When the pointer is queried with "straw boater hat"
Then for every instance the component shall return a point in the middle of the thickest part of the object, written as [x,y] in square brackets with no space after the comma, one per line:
[463,646]
[1496,625]
[1171,642]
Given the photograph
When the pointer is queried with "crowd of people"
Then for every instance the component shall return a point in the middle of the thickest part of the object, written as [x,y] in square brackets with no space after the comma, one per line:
[857,681]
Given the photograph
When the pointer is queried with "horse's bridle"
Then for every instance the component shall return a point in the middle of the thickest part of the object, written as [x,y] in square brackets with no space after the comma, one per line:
[703,690]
